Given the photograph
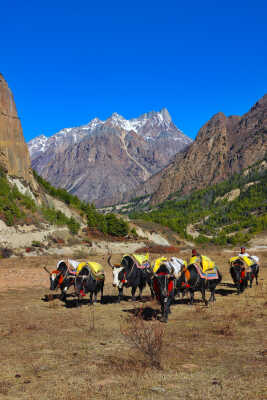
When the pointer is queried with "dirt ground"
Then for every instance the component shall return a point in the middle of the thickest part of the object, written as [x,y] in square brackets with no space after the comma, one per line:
[51,350]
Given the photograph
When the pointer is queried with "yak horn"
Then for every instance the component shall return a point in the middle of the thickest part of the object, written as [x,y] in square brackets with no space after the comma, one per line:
[47,271]
[109,263]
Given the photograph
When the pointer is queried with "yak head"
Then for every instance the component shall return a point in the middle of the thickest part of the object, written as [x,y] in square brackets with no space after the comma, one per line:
[162,281]
[57,276]
[118,273]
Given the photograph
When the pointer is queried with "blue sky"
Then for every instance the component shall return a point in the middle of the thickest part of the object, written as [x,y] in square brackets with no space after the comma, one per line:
[70,61]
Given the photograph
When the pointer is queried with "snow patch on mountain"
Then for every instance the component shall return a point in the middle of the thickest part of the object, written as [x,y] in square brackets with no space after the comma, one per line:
[150,126]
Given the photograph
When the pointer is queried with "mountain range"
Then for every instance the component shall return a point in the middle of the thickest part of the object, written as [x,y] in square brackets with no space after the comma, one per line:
[223,146]
[102,160]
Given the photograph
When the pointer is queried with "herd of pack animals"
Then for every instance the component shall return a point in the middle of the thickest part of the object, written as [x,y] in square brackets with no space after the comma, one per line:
[166,278]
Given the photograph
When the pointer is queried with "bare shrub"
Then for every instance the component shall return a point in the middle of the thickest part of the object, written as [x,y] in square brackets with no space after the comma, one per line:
[147,337]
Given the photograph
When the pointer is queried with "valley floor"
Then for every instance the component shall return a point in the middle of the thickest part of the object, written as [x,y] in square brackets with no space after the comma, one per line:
[51,351]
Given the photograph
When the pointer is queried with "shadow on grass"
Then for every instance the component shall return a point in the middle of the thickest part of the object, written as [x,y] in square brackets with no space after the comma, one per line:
[51,297]
[225,292]
[230,285]
[106,300]
[146,313]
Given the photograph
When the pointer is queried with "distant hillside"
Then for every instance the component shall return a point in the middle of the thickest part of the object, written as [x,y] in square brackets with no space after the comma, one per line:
[224,146]
[230,212]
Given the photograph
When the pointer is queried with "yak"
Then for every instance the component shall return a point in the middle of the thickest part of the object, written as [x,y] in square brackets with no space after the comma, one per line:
[239,276]
[127,274]
[192,279]
[164,288]
[86,281]
[253,273]
[61,278]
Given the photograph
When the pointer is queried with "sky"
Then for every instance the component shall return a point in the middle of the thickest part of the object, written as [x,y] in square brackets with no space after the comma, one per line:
[67,62]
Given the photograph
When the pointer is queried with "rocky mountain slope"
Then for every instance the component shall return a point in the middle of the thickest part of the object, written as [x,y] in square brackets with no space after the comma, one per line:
[229,212]
[100,161]
[38,219]
[223,146]
[14,154]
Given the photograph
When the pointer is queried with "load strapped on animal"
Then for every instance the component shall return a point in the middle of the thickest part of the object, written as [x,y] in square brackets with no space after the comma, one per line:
[90,278]
[206,268]
[96,269]
[140,260]
[133,271]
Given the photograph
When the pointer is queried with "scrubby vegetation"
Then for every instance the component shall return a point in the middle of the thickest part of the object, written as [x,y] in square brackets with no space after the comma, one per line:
[214,218]
[16,208]
[107,224]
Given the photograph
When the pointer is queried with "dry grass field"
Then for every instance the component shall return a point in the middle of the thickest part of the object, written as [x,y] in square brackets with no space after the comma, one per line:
[50,350]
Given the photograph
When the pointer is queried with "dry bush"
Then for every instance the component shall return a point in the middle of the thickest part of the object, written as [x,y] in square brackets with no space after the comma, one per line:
[147,337]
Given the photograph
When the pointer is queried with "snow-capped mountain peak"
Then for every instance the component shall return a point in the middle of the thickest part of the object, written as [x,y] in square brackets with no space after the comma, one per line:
[38,144]
[150,126]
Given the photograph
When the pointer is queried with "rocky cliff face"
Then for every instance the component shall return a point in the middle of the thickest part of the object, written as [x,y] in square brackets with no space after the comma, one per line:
[101,161]
[14,154]
[223,146]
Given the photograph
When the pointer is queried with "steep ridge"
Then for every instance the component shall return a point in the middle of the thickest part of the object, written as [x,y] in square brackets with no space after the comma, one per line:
[100,161]
[146,173]
[14,154]
[223,146]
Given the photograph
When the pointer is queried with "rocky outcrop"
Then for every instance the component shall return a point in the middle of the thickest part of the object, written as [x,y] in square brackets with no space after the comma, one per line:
[104,160]
[14,154]
[224,145]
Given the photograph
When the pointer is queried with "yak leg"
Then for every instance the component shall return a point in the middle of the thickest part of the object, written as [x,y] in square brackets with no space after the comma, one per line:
[78,301]
[151,289]
[165,308]
[169,303]
[212,295]
[141,288]
[191,300]
[101,290]
[250,278]
[95,293]
[256,276]
[133,293]
[203,293]
[120,294]
[239,290]
[63,295]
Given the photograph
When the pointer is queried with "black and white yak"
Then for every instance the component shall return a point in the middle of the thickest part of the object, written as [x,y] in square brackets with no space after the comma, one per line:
[61,279]
[128,274]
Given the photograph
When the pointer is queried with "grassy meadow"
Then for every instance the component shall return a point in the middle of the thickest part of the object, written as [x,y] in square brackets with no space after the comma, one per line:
[52,350]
